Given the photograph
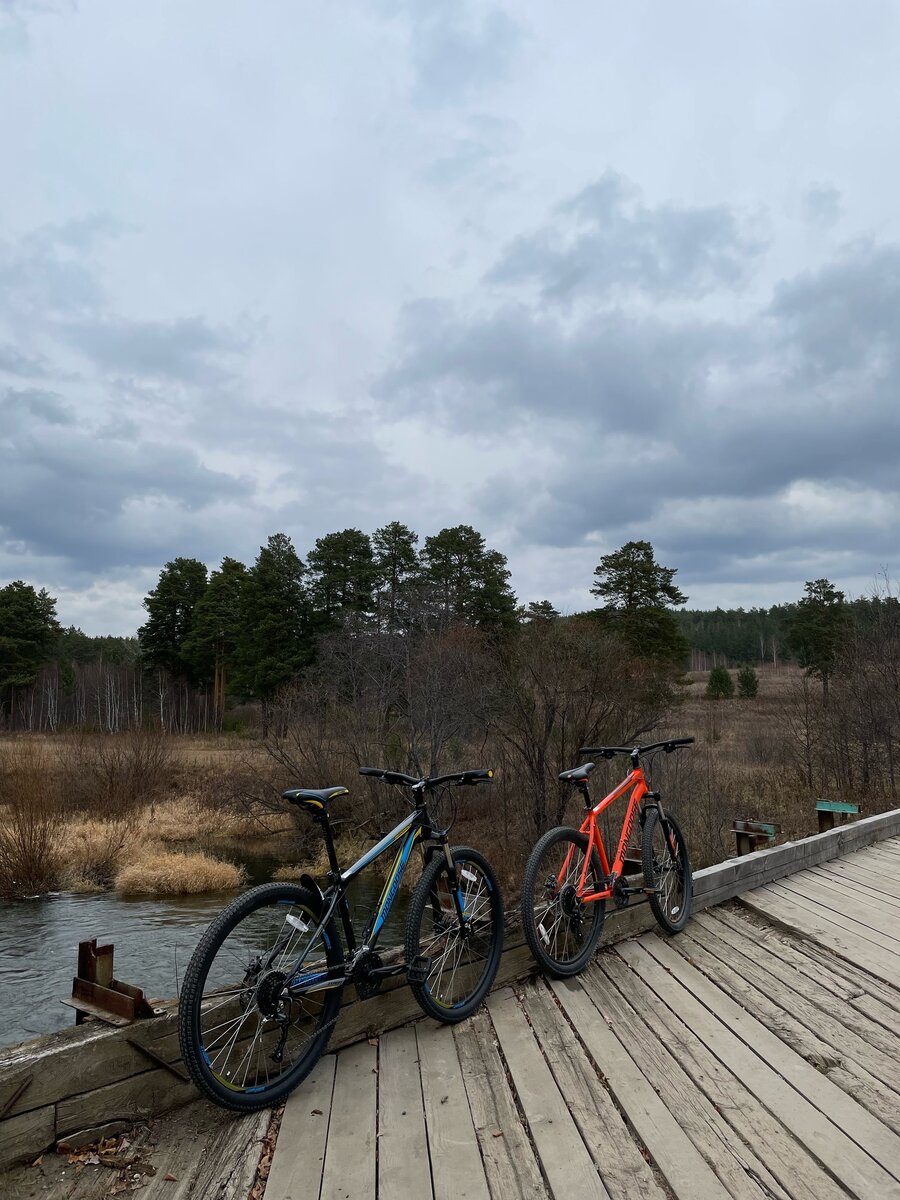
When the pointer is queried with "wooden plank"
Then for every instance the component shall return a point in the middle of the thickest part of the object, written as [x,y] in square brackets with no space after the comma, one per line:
[512,1170]
[870,1077]
[224,1168]
[856,875]
[297,1164]
[814,900]
[773,1155]
[404,1168]
[794,914]
[625,1173]
[23,1137]
[842,1020]
[678,1160]
[864,890]
[857,1149]
[131,1099]
[698,1118]
[878,925]
[565,1162]
[350,1149]
[456,1167]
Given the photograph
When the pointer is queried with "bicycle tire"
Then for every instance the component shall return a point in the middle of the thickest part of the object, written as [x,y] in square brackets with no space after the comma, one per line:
[536,934]
[670,922]
[431,995]
[197,1058]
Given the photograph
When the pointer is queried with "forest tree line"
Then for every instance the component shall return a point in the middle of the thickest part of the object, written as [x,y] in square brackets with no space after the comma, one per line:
[216,641]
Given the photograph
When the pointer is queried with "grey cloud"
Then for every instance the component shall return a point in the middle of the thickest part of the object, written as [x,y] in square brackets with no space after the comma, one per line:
[456,49]
[14,362]
[822,204]
[49,273]
[477,155]
[641,419]
[18,406]
[89,500]
[605,240]
[844,316]
[619,372]
[186,349]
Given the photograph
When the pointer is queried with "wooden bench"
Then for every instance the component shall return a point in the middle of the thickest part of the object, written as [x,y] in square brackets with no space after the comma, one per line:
[826,810]
[751,835]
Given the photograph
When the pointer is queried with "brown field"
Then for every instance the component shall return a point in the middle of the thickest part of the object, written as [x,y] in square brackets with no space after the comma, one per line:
[130,811]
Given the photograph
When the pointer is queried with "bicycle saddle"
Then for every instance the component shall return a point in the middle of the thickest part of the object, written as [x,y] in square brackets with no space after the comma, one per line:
[311,799]
[577,774]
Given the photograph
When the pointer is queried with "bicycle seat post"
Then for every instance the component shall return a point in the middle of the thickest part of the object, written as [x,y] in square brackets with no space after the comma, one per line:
[321,818]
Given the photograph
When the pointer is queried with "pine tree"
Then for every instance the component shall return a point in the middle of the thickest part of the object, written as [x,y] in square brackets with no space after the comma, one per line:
[747,682]
[170,617]
[818,629]
[720,685]
[28,635]
[468,582]
[217,628]
[637,592]
[341,576]
[397,570]
[276,641]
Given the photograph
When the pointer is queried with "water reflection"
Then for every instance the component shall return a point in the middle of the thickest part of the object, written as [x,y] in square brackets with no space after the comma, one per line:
[154,939]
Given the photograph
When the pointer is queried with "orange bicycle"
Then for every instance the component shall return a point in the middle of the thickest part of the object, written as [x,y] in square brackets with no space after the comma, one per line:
[568,876]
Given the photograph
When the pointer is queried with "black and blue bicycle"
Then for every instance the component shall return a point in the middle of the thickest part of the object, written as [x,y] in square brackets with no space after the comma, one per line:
[263,989]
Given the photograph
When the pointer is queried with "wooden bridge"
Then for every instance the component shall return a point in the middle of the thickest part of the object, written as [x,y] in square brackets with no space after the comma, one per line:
[755,1056]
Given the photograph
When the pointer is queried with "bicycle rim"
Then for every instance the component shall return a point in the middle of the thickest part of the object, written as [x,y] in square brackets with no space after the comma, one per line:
[668,871]
[561,930]
[462,958]
[255,1038]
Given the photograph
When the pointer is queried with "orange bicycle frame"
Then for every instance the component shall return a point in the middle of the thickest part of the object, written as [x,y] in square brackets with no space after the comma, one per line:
[638,783]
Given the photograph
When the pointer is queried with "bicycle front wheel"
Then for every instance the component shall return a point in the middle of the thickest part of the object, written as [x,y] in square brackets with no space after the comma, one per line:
[561,930]
[462,955]
[246,1039]
[667,871]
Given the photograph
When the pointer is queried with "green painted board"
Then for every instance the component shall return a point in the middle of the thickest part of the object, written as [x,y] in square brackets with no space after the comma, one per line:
[836,806]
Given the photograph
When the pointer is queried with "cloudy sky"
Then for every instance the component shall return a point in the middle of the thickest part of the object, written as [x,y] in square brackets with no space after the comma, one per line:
[573,273]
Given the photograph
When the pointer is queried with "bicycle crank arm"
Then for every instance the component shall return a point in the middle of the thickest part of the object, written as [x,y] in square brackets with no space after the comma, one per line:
[387,972]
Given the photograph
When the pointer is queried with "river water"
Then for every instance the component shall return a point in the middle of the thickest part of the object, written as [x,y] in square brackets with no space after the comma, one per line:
[153,939]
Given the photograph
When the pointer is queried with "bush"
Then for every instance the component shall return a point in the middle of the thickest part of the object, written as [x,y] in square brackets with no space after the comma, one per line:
[161,874]
[93,852]
[721,685]
[747,682]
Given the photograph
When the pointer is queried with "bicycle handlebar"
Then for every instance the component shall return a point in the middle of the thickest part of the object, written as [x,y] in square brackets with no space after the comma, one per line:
[389,776]
[668,746]
[460,778]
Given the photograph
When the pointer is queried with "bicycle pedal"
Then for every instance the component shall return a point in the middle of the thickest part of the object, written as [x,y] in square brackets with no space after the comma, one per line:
[417,970]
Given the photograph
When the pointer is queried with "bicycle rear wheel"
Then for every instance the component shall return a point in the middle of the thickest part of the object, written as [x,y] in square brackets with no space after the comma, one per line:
[560,929]
[462,959]
[246,1040]
[667,870]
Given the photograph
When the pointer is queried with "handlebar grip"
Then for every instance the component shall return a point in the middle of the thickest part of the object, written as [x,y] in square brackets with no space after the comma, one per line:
[374,771]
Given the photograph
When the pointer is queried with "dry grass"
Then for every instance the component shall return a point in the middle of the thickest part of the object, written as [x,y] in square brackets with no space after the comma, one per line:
[93,852]
[175,874]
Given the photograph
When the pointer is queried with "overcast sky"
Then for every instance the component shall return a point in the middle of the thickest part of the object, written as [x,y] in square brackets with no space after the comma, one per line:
[572,273]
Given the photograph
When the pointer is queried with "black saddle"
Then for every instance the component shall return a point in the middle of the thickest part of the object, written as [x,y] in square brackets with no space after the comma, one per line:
[577,774]
[313,801]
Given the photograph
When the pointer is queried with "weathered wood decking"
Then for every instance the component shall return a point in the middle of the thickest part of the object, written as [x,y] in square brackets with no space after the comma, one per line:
[755,1056]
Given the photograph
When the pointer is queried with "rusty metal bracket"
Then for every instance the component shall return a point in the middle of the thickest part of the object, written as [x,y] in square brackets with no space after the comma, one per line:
[96,993]
[20,1091]
[158,1059]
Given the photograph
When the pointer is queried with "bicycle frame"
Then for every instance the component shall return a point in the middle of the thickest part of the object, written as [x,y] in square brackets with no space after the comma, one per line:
[417,825]
[636,780]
